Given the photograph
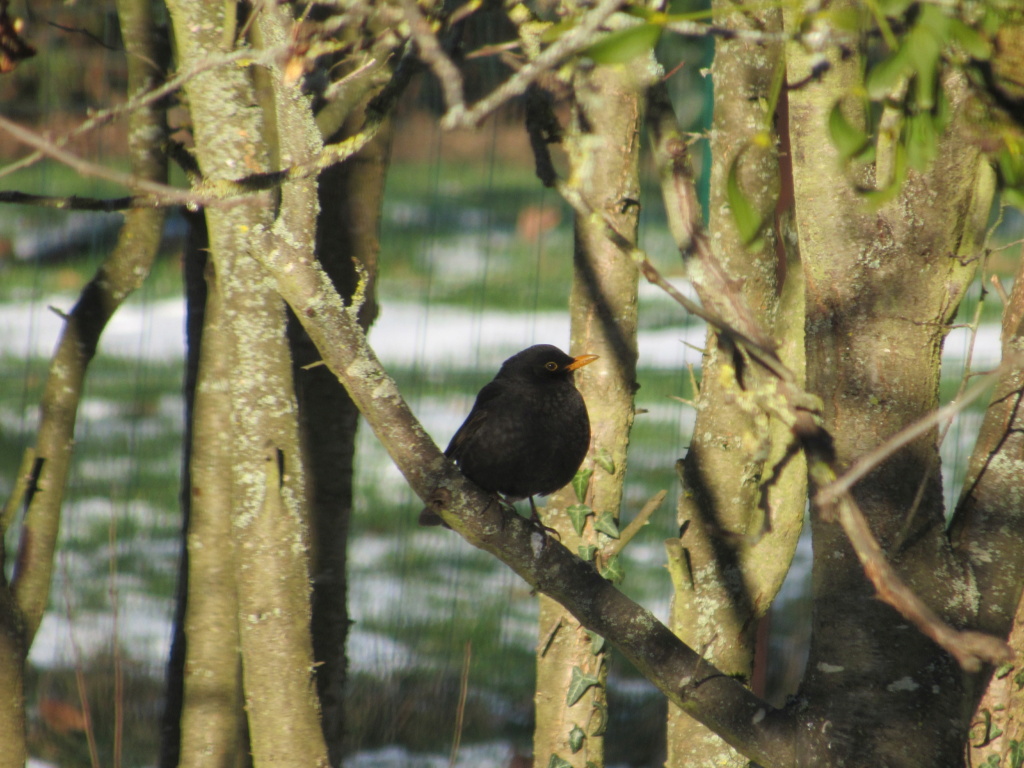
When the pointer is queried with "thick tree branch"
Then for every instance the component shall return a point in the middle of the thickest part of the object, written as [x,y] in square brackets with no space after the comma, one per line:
[725,705]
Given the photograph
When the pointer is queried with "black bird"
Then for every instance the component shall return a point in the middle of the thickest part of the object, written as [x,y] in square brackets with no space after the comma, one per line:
[528,431]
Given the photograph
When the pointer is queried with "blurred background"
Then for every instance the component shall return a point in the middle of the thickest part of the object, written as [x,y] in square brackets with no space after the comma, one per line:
[475,265]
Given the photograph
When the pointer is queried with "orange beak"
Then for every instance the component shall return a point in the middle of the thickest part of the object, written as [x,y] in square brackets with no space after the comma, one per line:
[579,362]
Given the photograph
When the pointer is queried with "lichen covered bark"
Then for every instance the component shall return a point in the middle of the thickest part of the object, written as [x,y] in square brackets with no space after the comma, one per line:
[882,286]
[741,506]
[603,147]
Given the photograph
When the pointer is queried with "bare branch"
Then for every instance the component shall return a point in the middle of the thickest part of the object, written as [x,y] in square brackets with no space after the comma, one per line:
[575,40]
[146,98]
[969,648]
[72,202]
[153,193]
[433,55]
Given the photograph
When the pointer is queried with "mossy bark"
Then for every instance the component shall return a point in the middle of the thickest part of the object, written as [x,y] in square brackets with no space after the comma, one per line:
[603,147]
[243,123]
[742,502]
[882,287]
[25,599]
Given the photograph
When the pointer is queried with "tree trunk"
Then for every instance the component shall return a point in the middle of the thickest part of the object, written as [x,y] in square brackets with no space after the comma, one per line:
[240,126]
[882,287]
[603,147]
[348,243]
[24,601]
[742,504]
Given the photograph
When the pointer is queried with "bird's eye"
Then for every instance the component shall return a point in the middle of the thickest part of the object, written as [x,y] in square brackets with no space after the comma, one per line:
[551,365]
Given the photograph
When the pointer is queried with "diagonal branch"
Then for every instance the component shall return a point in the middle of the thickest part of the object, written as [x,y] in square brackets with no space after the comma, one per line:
[724,704]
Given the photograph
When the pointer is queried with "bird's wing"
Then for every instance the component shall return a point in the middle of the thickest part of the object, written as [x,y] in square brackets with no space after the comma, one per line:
[476,419]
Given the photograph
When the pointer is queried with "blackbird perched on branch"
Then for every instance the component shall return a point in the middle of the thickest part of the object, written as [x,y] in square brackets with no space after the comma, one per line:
[528,431]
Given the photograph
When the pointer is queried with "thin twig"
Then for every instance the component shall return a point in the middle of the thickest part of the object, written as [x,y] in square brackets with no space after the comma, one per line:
[144,99]
[433,55]
[220,193]
[869,461]
[573,41]
[460,711]
[71,202]
[634,526]
[154,192]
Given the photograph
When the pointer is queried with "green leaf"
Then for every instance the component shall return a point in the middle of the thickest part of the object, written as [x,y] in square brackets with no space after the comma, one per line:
[1002,671]
[598,721]
[555,31]
[848,139]
[973,42]
[624,45]
[557,762]
[576,738]
[748,220]
[578,685]
[895,7]
[876,198]
[1018,679]
[605,461]
[580,481]
[606,524]
[921,140]
[596,642]
[1016,753]
[578,515]
[612,570]
[884,76]
[586,552]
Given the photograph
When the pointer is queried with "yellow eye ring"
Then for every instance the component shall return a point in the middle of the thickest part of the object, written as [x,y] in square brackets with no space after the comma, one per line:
[551,365]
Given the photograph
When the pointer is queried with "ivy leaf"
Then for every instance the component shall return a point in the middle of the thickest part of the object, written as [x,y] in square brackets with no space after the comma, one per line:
[1018,679]
[605,523]
[578,515]
[557,762]
[624,45]
[596,642]
[605,461]
[1016,753]
[1002,671]
[972,41]
[613,571]
[576,737]
[580,482]
[598,720]
[578,685]
[748,220]
[884,76]
[851,141]
[921,140]
[586,552]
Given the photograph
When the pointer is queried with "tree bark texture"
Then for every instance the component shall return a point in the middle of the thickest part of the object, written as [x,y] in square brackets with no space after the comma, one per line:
[351,195]
[23,602]
[988,527]
[603,147]
[742,503]
[882,287]
[242,128]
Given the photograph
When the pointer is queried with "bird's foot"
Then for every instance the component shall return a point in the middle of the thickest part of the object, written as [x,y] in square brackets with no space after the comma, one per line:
[535,521]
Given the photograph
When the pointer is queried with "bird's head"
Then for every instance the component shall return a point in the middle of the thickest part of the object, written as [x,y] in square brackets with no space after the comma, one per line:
[544,361]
